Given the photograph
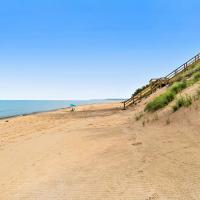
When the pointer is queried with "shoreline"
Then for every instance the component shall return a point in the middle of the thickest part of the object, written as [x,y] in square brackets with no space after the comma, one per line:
[32,113]
[54,110]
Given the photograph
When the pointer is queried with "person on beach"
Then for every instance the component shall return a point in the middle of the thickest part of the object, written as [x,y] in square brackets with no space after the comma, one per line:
[72,107]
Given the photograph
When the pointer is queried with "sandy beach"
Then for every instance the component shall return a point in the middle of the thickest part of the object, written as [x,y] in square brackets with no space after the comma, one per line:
[99,100]
[100,152]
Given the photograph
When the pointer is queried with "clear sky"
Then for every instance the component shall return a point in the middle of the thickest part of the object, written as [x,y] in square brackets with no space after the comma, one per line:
[91,49]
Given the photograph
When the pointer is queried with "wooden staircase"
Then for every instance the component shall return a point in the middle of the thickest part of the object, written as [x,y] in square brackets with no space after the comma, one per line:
[155,84]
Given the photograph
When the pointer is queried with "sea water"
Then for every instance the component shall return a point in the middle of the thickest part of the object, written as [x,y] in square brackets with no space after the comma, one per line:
[22,107]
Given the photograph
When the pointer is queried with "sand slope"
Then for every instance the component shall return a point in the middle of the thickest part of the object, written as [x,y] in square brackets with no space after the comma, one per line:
[101,152]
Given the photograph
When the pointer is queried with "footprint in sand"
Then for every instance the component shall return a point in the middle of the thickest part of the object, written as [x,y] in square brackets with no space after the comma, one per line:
[137,144]
[153,197]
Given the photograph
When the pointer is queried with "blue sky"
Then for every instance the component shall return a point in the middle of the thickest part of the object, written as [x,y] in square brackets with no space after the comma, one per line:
[91,49]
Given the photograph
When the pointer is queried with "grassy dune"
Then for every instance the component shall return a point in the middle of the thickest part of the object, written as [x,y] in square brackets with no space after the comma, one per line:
[191,77]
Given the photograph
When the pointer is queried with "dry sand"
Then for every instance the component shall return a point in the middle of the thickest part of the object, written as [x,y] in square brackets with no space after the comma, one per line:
[100,152]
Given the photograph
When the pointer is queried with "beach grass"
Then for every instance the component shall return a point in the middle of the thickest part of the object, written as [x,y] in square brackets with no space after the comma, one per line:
[165,98]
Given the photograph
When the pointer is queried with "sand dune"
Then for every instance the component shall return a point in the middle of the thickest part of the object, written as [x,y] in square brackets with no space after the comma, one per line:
[101,152]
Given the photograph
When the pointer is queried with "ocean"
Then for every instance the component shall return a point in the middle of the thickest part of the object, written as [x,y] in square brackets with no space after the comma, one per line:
[10,108]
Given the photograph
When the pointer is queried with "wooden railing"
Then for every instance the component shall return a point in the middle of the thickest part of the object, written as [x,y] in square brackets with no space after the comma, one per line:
[183,67]
[158,83]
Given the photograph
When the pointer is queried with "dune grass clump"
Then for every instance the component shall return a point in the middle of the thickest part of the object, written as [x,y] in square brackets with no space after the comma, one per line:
[178,87]
[198,92]
[165,98]
[160,101]
[192,70]
[186,101]
[182,102]
[138,116]
[196,97]
[195,78]
[189,72]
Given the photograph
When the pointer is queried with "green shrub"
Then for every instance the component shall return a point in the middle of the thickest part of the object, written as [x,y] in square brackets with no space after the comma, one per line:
[160,101]
[182,102]
[165,98]
[187,101]
[178,87]
[140,90]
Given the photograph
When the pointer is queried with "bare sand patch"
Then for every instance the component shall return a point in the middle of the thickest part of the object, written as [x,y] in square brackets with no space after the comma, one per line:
[100,152]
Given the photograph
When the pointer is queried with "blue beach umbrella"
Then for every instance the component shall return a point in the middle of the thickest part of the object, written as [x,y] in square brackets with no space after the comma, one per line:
[72,107]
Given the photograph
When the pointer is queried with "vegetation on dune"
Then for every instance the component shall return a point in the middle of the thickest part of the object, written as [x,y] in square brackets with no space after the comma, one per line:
[178,87]
[165,98]
[139,90]
[160,101]
[198,93]
[188,73]
[182,102]
[196,96]
[186,101]
[181,81]
[196,76]
[139,116]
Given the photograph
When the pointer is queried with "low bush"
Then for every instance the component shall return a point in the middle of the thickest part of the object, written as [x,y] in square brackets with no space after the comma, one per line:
[178,87]
[182,102]
[165,98]
[160,101]
[140,90]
